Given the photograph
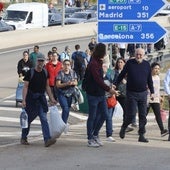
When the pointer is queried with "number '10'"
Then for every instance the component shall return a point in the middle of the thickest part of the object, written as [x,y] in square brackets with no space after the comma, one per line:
[145,8]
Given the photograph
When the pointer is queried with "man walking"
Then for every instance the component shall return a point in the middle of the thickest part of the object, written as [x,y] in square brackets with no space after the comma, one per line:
[34,100]
[139,78]
[33,55]
[78,58]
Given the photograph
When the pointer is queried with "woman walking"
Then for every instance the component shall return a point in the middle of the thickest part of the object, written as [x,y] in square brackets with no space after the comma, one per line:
[95,91]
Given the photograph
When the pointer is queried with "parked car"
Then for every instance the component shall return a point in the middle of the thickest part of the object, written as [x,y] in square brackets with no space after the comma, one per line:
[54,19]
[71,10]
[5,27]
[80,17]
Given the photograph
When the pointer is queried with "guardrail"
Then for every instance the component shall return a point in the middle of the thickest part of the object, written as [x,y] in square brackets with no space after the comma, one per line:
[158,56]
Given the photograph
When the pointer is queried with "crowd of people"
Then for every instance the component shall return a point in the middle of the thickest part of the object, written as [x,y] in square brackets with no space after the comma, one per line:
[121,49]
[59,73]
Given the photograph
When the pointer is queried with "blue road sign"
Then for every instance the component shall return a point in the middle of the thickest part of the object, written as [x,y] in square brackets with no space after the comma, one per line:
[129,32]
[128,9]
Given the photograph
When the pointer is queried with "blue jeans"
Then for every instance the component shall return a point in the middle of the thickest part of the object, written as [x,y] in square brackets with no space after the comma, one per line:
[109,122]
[65,103]
[97,114]
[44,125]
[136,100]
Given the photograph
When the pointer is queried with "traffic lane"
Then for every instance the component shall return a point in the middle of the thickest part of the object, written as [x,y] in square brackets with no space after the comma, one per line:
[71,152]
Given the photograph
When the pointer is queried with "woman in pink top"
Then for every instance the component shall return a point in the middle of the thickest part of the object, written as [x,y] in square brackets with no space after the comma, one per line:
[154,103]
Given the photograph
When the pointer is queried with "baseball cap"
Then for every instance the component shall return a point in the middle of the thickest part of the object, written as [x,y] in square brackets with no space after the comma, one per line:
[40,56]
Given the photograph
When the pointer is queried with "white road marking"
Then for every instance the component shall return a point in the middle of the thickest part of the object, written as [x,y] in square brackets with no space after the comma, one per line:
[10,109]
[18,133]
[16,120]
[8,97]
[9,101]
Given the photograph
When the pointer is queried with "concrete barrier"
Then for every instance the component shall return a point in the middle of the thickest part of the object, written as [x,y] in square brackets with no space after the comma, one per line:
[35,36]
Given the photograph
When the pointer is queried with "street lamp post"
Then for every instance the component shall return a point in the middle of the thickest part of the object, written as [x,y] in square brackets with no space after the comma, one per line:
[63,13]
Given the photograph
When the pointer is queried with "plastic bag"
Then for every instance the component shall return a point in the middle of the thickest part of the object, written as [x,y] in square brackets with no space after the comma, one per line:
[118,111]
[111,102]
[81,98]
[78,95]
[56,124]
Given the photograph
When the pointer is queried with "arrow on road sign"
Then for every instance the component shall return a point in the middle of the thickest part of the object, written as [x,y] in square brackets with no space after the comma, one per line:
[128,9]
[130,32]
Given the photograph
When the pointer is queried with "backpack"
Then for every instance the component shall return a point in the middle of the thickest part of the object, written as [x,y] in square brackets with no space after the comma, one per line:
[79,65]
[32,72]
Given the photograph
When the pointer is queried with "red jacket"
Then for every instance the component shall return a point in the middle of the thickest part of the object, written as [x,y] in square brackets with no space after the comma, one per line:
[53,71]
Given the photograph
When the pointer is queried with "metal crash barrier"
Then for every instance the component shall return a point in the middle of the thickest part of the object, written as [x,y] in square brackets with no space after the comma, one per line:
[158,56]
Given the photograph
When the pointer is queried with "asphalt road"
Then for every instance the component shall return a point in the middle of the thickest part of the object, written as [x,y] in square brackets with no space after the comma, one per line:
[71,152]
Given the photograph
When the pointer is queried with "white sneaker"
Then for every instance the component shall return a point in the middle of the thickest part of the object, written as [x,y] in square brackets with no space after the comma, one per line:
[66,129]
[98,141]
[75,107]
[110,139]
[92,143]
